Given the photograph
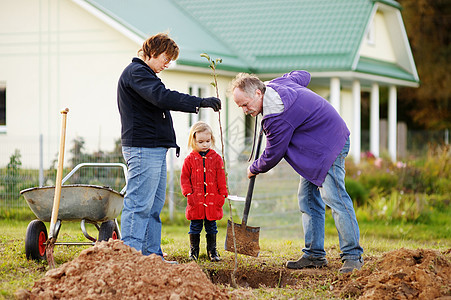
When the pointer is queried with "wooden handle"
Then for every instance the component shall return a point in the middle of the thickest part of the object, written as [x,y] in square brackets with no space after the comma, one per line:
[59,174]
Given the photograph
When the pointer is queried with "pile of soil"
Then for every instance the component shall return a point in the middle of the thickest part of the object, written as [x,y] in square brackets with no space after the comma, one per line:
[401,274]
[112,270]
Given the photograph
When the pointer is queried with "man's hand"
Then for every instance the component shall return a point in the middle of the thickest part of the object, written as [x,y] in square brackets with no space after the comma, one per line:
[249,173]
[212,102]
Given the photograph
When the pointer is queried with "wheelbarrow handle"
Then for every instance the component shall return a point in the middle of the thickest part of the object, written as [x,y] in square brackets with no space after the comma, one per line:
[250,189]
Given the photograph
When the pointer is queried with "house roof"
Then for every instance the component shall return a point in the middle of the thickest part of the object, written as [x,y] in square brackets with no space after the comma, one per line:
[261,36]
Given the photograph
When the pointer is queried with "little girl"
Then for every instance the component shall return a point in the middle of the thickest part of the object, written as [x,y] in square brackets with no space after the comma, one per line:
[203,183]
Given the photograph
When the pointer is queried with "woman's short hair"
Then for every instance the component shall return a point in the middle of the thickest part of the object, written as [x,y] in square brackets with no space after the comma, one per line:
[199,126]
[158,44]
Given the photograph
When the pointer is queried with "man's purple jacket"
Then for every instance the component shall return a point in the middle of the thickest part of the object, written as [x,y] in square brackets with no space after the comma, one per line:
[309,133]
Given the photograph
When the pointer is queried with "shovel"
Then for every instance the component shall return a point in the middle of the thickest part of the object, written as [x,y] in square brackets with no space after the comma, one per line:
[246,237]
[50,244]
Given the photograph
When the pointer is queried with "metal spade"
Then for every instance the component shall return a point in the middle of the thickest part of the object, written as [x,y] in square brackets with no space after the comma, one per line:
[246,237]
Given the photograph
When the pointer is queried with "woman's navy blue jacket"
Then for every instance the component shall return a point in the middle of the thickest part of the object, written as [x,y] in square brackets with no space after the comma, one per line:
[144,104]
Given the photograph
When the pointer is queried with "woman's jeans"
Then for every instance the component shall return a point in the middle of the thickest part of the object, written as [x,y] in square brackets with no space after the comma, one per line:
[144,198]
[312,203]
[195,226]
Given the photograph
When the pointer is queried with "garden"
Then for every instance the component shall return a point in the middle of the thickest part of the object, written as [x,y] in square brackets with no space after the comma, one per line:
[402,208]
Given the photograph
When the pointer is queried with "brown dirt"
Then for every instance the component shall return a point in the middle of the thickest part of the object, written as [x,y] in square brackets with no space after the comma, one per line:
[112,270]
[115,271]
[401,274]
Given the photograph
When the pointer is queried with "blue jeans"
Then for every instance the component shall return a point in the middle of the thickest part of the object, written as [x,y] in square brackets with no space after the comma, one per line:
[144,198]
[312,203]
[196,226]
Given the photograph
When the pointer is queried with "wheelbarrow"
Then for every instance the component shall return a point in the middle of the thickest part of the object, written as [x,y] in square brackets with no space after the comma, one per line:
[92,204]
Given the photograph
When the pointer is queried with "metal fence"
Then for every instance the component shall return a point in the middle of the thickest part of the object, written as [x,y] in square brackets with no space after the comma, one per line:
[274,205]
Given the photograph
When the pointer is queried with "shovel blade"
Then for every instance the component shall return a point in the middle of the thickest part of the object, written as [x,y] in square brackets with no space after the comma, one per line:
[246,239]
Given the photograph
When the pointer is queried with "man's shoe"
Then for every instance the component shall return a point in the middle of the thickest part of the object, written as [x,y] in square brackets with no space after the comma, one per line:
[304,262]
[350,264]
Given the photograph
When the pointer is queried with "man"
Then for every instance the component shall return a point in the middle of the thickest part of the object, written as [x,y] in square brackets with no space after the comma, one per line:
[305,130]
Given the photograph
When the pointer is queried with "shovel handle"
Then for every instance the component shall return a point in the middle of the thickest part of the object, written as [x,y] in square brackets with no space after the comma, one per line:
[250,189]
[59,175]
[247,204]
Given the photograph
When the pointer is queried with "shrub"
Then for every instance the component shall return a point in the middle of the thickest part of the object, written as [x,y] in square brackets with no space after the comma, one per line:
[437,170]
[397,206]
[357,192]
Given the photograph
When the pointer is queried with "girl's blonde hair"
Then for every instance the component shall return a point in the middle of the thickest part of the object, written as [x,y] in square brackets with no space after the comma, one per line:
[199,126]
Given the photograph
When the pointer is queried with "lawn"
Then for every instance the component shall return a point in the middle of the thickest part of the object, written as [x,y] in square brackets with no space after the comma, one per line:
[277,247]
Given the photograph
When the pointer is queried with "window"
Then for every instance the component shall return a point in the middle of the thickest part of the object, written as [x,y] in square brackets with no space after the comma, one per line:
[198,90]
[2,107]
[370,34]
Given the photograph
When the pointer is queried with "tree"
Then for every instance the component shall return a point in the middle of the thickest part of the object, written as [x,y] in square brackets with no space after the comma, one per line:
[428,28]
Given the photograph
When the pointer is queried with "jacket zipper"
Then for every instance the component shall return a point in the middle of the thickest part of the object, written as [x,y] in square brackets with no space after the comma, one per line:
[205,176]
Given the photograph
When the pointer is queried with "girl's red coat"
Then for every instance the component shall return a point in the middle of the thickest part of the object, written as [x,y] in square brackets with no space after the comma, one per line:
[203,204]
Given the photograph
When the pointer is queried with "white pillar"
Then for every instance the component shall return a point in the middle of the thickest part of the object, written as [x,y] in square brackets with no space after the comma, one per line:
[356,127]
[335,93]
[374,120]
[392,122]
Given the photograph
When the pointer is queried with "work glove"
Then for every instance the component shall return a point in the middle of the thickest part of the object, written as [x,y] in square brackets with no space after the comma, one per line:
[212,102]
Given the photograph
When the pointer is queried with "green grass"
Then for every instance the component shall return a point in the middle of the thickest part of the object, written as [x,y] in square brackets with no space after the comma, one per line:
[16,272]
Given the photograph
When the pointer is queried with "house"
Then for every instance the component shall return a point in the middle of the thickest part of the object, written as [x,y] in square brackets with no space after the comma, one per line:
[70,53]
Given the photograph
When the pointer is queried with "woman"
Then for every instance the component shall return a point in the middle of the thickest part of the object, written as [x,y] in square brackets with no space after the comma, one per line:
[147,133]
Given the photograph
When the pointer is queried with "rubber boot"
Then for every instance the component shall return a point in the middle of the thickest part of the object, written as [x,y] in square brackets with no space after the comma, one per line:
[194,240]
[213,254]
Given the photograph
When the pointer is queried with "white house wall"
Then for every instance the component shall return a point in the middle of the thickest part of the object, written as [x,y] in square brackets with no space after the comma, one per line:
[55,55]
[380,47]
[181,81]
[232,117]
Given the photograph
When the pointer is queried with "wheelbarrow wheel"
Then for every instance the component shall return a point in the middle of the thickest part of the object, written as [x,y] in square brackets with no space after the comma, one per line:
[108,230]
[35,240]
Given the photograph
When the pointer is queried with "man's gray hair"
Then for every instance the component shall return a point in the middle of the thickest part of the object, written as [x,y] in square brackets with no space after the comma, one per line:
[248,83]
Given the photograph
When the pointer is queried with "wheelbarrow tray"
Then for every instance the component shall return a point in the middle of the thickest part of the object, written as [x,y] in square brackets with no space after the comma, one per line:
[78,202]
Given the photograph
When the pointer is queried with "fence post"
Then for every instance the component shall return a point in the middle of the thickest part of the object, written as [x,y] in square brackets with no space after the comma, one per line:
[41,160]
[446,136]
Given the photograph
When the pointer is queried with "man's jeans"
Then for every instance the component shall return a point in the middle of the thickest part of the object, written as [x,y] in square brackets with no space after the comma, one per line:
[144,198]
[312,201]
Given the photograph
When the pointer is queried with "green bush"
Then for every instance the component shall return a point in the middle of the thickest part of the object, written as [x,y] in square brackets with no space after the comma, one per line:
[397,206]
[437,170]
[20,214]
[386,180]
[413,192]
[356,190]
[13,179]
